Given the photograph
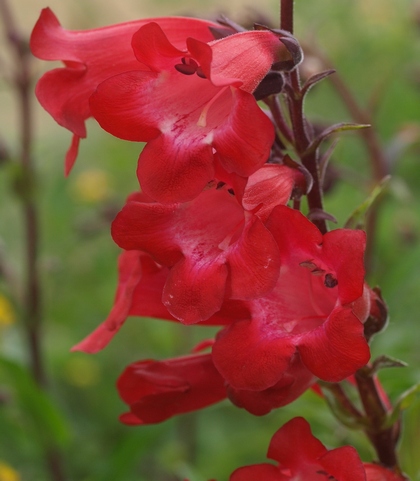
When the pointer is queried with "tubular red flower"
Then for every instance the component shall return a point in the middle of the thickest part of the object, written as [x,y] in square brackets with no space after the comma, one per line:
[215,250]
[190,103]
[309,313]
[139,293]
[158,390]
[300,456]
[90,57]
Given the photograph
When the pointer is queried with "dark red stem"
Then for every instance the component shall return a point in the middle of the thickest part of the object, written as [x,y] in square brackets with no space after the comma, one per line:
[25,188]
[383,439]
[302,137]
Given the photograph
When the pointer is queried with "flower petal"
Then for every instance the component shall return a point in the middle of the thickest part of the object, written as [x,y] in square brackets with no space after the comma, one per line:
[264,471]
[244,140]
[254,262]
[337,348]
[194,290]
[250,357]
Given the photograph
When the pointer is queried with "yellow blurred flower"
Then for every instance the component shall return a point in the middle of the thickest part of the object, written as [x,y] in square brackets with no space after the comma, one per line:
[7,314]
[7,473]
[81,372]
[92,186]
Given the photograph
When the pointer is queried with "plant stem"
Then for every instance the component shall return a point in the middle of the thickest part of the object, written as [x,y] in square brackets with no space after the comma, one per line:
[301,136]
[373,145]
[384,440]
[286,15]
[25,188]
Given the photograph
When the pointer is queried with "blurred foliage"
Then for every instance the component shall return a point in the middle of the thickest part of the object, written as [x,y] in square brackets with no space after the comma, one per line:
[375,45]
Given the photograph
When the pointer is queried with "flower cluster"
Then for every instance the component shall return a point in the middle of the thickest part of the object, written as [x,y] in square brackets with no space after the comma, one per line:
[211,237]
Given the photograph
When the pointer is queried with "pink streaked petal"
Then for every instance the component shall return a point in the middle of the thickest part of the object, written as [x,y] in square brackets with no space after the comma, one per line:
[169,171]
[254,262]
[130,272]
[349,266]
[294,445]
[337,348]
[263,472]
[344,464]
[244,140]
[250,357]
[269,186]
[194,291]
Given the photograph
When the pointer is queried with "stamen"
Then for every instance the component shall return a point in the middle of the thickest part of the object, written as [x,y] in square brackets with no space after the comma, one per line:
[185,68]
[330,281]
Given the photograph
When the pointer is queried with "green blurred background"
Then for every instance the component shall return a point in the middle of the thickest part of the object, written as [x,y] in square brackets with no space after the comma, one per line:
[375,46]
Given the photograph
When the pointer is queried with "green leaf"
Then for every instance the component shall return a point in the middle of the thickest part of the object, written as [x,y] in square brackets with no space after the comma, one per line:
[383,362]
[35,404]
[315,79]
[358,216]
[333,129]
[406,399]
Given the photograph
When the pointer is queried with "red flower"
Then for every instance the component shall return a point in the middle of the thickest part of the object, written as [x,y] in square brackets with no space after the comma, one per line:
[215,250]
[190,103]
[139,293]
[90,57]
[374,472]
[315,311]
[300,456]
[158,390]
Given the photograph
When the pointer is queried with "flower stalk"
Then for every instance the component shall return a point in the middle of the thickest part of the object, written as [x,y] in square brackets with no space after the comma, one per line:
[24,185]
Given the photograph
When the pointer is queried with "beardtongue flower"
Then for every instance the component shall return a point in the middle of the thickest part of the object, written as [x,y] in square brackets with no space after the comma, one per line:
[216,250]
[90,57]
[302,457]
[158,390]
[192,103]
[139,293]
[315,311]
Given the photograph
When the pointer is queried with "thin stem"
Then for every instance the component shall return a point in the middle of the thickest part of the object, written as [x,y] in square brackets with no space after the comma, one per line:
[384,440]
[373,145]
[32,303]
[286,15]
[273,104]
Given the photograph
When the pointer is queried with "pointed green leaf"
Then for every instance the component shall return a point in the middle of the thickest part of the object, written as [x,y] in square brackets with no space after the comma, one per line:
[358,216]
[383,362]
[404,401]
[333,129]
[315,79]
